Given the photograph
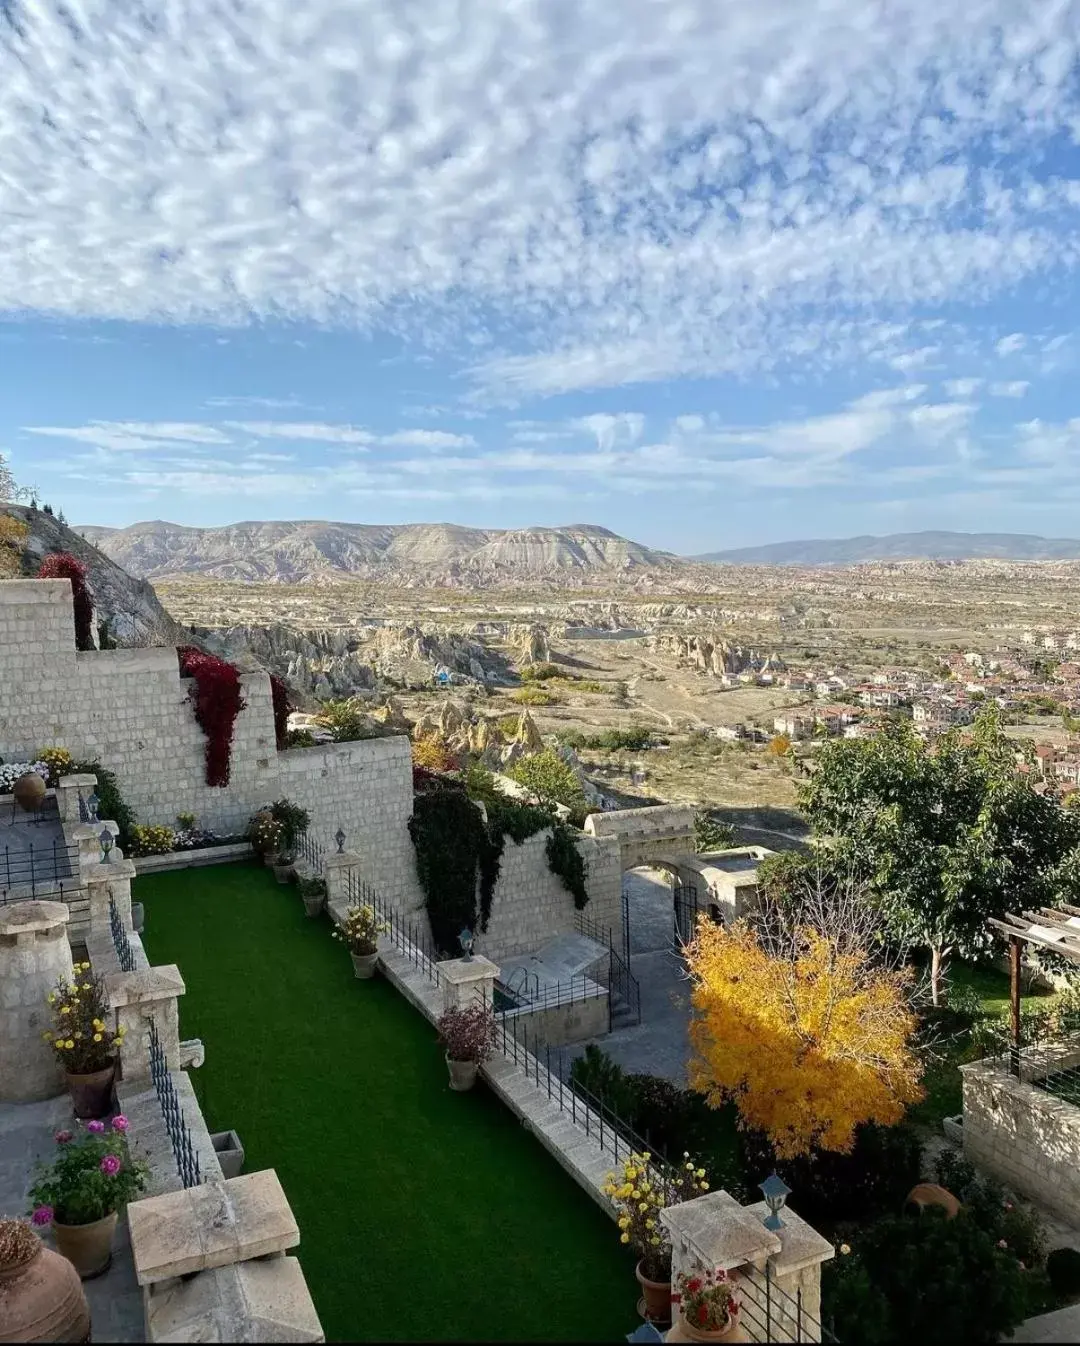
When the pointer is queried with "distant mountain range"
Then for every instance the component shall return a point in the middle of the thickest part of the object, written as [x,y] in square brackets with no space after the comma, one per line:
[298,551]
[902,547]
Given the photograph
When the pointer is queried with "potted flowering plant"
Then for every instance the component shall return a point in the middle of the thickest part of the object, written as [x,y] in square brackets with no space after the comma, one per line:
[267,835]
[85,1043]
[361,930]
[84,1187]
[468,1035]
[708,1309]
[640,1192]
[313,891]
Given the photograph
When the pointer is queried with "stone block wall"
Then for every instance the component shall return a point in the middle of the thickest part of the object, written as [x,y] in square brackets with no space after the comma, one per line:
[646,835]
[1027,1138]
[559,1025]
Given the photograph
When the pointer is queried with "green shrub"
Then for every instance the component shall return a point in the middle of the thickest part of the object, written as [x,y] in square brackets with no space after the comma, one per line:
[538,672]
[111,805]
[534,696]
[552,780]
[347,721]
[1063,1269]
[1006,1220]
[710,834]
[293,819]
[299,738]
[151,839]
[185,821]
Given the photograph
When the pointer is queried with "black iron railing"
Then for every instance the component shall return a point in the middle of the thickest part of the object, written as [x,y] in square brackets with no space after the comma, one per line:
[527,997]
[44,867]
[409,936]
[770,1313]
[621,984]
[309,848]
[124,952]
[184,1151]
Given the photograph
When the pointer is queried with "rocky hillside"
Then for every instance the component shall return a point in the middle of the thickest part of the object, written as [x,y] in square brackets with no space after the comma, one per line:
[402,554]
[129,607]
[942,546]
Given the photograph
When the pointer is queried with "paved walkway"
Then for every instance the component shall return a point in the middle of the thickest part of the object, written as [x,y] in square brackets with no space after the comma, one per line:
[26,1135]
[32,846]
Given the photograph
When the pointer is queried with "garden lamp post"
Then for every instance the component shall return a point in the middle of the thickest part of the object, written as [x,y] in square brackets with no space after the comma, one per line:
[465,939]
[93,803]
[106,840]
[776,1192]
[339,837]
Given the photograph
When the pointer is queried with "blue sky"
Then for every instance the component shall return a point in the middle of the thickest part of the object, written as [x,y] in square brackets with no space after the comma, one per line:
[707,272]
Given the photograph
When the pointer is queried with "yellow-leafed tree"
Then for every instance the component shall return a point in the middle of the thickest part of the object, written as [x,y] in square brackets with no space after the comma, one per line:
[808,1037]
[434,753]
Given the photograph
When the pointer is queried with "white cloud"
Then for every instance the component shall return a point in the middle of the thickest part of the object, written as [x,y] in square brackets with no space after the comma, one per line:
[1015,388]
[134,435]
[317,431]
[574,174]
[428,439]
[269,403]
[1009,345]
[962,387]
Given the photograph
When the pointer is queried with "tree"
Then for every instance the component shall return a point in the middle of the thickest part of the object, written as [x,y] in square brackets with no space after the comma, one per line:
[550,779]
[10,490]
[710,834]
[779,745]
[806,1033]
[945,835]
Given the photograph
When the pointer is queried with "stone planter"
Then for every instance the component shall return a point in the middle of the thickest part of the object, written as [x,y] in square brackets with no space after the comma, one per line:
[88,1247]
[43,1300]
[314,903]
[92,1094]
[138,917]
[655,1302]
[364,965]
[462,1075]
[284,869]
[230,1153]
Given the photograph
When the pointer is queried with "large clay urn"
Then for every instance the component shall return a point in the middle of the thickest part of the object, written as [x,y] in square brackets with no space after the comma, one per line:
[29,791]
[41,1296]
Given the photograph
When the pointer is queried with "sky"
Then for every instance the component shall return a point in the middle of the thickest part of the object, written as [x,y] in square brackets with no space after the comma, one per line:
[710,273]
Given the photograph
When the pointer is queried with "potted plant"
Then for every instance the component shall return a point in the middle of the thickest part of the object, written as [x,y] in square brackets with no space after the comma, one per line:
[640,1193]
[468,1035]
[85,1043]
[230,1152]
[361,930]
[708,1309]
[313,891]
[82,1190]
[42,1297]
[266,835]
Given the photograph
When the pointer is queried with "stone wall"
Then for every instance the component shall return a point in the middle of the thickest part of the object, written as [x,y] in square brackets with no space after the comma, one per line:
[647,835]
[1023,1135]
[557,1025]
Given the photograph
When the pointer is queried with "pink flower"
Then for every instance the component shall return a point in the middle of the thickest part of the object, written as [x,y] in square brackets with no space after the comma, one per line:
[62,1137]
[120,1122]
[110,1165]
[1002,1243]
[43,1215]
[95,1127]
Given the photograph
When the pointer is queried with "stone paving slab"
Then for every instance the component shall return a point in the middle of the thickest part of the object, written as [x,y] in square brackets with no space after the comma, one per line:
[26,1135]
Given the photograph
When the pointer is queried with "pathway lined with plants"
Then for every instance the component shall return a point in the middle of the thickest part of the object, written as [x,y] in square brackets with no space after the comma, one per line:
[424,1215]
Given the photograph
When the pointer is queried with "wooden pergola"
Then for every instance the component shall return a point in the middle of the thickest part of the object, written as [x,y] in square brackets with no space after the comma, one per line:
[1056,928]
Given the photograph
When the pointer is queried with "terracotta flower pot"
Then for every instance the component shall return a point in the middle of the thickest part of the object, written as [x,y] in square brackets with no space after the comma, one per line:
[462,1075]
[655,1302]
[684,1331]
[92,1094]
[930,1194]
[43,1300]
[29,791]
[88,1247]
[364,964]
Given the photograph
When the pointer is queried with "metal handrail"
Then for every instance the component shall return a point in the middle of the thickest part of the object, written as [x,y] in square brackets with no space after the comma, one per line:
[184,1151]
[124,952]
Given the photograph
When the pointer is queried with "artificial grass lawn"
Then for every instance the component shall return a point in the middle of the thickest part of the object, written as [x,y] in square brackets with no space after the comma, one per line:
[424,1215]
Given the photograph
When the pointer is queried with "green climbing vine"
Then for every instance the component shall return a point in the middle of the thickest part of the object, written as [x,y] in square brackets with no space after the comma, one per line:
[458,857]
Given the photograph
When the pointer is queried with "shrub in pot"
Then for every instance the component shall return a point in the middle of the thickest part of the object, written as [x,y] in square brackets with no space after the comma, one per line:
[360,930]
[84,1040]
[80,1193]
[266,835]
[468,1036]
[313,891]
[40,1292]
[639,1193]
[294,821]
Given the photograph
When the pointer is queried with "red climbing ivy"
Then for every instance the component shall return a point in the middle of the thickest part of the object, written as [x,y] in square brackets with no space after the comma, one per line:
[62,565]
[217,699]
[283,703]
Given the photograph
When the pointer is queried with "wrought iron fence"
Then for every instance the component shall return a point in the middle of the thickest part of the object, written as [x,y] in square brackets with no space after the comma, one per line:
[408,936]
[45,867]
[309,848]
[768,1312]
[621,984]
[124,952]
[184,1151]
[685,903]
[573,991]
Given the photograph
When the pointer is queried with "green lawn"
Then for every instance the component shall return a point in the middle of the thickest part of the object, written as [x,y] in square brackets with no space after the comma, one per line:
[424,1215]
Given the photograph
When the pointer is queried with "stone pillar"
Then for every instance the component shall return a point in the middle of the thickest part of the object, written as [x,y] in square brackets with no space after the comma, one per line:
[336,867]
[777,1272]
[87,837]
[136,998]
[68,792]
[105,879]
[465,981]
[34,954]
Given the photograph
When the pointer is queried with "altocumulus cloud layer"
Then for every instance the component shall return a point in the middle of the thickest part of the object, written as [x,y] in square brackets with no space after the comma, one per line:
[579,194]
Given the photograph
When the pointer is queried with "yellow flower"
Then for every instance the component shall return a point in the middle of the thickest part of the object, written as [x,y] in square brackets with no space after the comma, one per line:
[624,1238]
[701,1172]
[86,986]
[52,997]
[845,1249]
[631,1174]
[64,1009]
[47,1035]
[655,1241]
[646,1156]
[690,1167]
[650,1224]
[704,1186]
[643,1207]
[69,1044]
[97,1037]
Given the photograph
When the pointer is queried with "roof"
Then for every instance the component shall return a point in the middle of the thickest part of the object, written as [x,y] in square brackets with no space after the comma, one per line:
[1056,928]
